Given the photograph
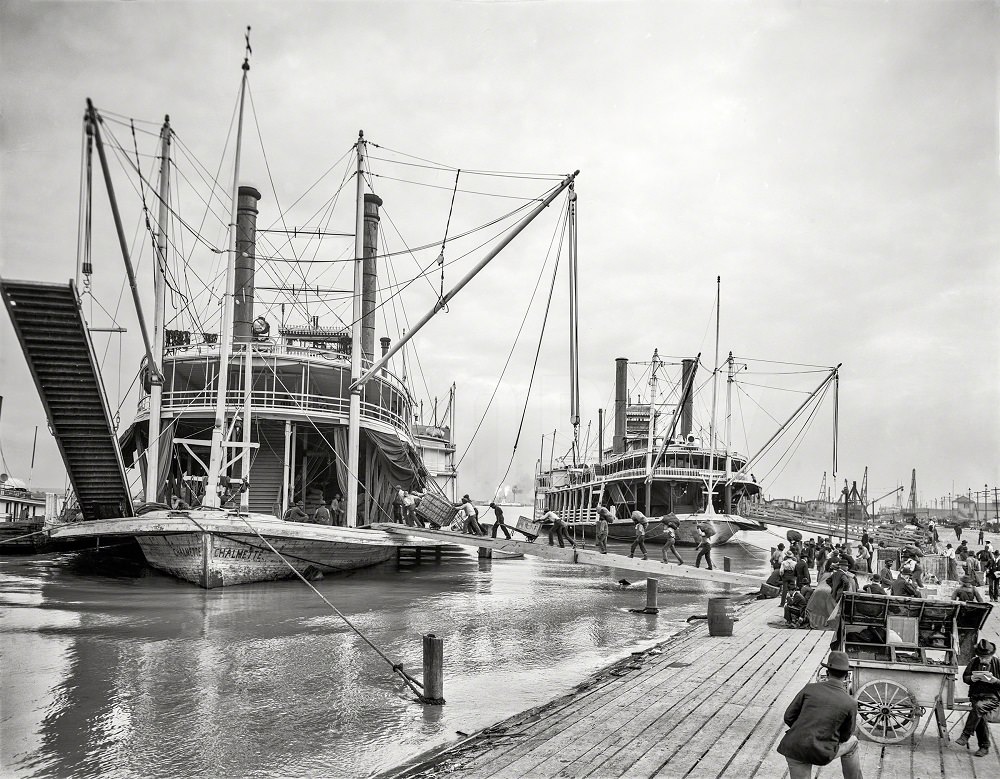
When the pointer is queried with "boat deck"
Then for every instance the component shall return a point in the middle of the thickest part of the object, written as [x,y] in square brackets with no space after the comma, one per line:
[697,706]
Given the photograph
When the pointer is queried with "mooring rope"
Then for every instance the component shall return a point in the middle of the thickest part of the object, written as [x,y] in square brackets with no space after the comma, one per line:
[396,667]
[21,538]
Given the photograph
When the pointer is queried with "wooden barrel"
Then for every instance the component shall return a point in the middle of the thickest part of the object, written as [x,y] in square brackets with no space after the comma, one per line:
[720,616]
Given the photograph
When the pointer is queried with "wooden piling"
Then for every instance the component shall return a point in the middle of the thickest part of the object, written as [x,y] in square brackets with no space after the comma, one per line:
[726,564]
[433,669]
[651,596]
[485,553]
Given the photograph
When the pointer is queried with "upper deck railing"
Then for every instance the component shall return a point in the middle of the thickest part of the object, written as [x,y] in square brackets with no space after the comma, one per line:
[286,380]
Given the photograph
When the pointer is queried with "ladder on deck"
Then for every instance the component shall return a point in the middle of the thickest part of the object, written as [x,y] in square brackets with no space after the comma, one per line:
[56,343]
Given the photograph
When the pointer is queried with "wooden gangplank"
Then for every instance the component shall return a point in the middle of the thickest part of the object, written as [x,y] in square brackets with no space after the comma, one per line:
[652,568]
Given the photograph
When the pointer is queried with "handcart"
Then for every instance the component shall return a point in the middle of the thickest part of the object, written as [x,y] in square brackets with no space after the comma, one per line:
[904,656]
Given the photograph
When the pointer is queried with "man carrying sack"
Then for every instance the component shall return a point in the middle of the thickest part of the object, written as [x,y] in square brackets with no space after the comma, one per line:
[821,722]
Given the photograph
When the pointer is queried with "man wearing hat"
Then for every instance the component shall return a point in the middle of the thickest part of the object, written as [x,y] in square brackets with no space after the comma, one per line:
[983,677]
[821,722]
[841,580]
[903,586]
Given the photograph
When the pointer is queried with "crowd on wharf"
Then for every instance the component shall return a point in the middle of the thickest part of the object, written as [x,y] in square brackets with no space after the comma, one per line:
[837,566]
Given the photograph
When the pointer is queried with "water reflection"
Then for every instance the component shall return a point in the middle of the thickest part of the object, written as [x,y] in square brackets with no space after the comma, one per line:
[154,677]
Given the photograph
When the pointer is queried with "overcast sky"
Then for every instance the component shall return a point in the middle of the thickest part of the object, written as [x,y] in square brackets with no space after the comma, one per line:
[835,163]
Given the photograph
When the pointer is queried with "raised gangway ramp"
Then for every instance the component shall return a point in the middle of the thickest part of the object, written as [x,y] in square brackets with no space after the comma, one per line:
[539,548]
[56,343]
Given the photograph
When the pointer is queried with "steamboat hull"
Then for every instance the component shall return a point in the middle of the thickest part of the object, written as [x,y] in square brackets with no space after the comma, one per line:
[212,549]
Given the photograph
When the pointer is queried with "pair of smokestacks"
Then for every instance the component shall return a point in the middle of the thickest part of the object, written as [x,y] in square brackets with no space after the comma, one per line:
[246,256]
[621,400]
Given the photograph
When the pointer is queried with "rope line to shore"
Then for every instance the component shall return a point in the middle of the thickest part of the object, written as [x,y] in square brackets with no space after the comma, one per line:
[396,667]
[21,538]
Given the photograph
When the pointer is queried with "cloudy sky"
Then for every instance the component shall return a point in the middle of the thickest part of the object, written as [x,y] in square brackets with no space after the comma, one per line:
[835,163]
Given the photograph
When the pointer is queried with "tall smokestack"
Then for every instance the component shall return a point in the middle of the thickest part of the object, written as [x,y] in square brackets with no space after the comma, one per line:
[369,278]
[621,403]
[246,259]
[688,367]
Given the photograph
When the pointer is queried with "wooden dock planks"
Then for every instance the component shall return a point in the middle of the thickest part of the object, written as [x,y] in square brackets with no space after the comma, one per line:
[704,708]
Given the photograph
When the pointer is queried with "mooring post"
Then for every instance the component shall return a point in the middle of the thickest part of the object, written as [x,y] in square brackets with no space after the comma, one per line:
[726,563]
[433,669]
[651,596]
[416,553]
[485,553]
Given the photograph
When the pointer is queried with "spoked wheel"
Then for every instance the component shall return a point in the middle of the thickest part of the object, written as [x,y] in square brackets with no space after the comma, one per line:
[887,712]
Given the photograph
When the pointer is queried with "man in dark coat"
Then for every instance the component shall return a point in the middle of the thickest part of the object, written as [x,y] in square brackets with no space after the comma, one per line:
[983,677]
[802,577]
[840,580]
[821,721]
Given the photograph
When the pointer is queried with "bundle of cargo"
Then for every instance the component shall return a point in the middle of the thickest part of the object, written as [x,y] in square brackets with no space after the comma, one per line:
[436,510]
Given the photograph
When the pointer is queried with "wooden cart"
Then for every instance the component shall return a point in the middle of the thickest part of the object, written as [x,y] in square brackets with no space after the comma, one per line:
[904,655]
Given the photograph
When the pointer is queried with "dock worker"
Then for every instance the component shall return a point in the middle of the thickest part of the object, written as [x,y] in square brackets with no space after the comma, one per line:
[821,721]
[982,675]
[471,514]
[704,551]
[498,523]
[639,521]
[669,539]
[557,530]
[337,510]
[410,503]
[397,505]
[322,515]
[296,513]
[601,531]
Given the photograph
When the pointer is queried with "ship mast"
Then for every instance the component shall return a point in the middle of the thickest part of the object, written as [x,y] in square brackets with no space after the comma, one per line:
[710,508]
[153,486]
[217,457]
[727,489]
[354,411]
[574,342]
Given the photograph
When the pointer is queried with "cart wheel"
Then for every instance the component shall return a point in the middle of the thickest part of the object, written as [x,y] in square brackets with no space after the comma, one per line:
[887,712]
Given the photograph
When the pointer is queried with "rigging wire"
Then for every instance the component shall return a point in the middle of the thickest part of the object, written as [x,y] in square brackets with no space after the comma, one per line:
[560,227]
[534,368]
[505,174]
